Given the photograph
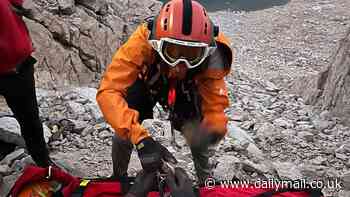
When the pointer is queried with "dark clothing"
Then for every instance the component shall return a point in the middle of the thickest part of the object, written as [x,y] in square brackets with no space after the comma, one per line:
[19,92]
[122,149]
[138,98]
[5,149]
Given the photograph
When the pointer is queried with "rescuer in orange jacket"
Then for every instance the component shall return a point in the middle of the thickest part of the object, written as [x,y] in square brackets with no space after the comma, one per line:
[179,60]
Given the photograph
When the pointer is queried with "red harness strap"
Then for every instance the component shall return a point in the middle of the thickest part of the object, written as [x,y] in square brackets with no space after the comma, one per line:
[172,93]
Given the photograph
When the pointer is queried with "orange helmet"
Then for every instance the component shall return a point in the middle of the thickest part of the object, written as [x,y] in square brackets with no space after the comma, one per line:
[183,23]
[184,20]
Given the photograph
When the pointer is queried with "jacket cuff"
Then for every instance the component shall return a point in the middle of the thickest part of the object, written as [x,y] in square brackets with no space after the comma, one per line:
[138,133]
[217,128]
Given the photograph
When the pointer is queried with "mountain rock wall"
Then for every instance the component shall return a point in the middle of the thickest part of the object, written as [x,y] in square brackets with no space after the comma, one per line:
[74,40]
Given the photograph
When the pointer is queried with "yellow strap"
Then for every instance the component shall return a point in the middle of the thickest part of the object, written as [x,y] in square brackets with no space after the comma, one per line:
[84,183]
[141,145]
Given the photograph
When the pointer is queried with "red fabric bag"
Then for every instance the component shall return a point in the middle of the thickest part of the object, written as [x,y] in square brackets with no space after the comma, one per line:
[218,191]
[15,42]
[76,187]
[72,186]
[104,188]
[33,174]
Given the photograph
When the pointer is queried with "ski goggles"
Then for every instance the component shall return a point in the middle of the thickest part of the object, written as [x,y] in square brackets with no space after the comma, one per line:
[175,51]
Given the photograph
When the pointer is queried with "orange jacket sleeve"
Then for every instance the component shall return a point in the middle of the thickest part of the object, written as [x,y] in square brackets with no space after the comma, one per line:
[213,90]
[127,63]
[214,102]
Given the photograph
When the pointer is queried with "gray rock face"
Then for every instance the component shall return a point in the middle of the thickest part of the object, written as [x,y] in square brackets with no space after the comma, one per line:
[259,168]
[4,109]
[326,115]
[4,170]
[7,183]
[346,180]
[238,134]
[79,125]
[94,112]
[66,6]
[75,40]
[8,160]
[255,151]
[344,193]
[266,130]
[287,171]
[76,108]
[283,123]
[86,93]
[226,168]
[267,124]
[47,133]
[323,124]
[105,134]
[345,148]
[289,132]
[309,137]
[271,86]
[330,87]
[319,160]
[10,131]
[88,130]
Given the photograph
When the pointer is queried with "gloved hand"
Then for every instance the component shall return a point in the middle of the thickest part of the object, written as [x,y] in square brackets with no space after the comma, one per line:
[180,184]
[151,154]
[142,185]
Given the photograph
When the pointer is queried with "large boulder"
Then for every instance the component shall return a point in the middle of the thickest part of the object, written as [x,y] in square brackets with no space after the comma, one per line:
[74,40]
[329,89]
[10,131]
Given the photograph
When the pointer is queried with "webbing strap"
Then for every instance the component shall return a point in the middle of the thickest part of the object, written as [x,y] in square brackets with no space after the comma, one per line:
[79,192]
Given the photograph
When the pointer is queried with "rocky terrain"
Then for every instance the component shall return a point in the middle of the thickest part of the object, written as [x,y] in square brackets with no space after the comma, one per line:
[74,40]
[272,133]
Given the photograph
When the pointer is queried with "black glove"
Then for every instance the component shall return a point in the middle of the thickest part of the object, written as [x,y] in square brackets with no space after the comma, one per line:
[180,184]
[151,154]
[142,185]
